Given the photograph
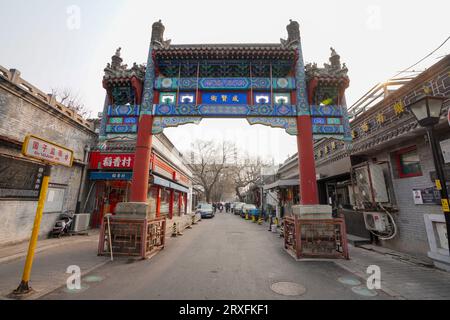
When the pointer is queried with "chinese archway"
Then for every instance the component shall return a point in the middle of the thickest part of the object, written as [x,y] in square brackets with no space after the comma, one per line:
[266,84]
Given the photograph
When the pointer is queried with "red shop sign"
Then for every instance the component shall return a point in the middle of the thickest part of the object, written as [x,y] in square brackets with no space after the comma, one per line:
[111,161]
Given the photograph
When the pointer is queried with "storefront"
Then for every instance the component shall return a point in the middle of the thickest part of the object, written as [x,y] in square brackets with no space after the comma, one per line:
[112,174]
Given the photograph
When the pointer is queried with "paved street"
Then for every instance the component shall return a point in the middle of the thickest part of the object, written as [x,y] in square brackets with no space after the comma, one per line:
[52,258]
[221,258]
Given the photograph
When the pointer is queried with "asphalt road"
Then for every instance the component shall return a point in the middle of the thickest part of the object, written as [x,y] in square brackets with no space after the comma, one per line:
[221,258]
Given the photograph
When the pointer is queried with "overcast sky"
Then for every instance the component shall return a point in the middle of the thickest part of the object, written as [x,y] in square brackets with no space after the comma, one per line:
[58,44]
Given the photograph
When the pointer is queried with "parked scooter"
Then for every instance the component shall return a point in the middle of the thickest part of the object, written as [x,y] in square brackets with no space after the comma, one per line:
[63,224]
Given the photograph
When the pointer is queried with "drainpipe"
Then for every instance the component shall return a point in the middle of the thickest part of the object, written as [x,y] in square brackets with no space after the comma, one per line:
[87,149]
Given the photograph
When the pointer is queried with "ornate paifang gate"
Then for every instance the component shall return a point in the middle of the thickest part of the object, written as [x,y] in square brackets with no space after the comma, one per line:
[267,84]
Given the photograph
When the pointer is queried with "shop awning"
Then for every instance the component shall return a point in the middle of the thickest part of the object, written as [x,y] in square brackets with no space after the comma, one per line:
[282,183]
[129,175]
[169,184]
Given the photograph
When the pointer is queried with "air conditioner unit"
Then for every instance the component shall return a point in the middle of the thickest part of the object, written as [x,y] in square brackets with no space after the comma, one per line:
[81,222]
[376,221]
[370,180]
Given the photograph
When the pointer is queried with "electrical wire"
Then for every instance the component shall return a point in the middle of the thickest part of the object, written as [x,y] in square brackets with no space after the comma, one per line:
[394,225]
[422,58]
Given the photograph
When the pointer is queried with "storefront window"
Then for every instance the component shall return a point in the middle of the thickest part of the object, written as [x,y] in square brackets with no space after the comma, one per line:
[165,201]
[408,163]
[176,204]
[153,198]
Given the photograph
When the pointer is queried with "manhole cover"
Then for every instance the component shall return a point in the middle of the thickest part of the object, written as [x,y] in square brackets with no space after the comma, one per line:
[349,281]
[93,279]
[363,291]
[288,288]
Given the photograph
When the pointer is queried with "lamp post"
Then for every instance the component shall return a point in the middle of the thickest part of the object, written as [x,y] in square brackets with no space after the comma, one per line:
[427,110]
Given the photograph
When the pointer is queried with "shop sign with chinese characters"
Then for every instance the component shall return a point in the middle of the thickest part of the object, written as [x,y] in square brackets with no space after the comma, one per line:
[112,161]
[46,151]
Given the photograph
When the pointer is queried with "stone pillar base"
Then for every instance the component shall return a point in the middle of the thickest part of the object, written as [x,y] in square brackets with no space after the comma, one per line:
[317,211]
[134,211]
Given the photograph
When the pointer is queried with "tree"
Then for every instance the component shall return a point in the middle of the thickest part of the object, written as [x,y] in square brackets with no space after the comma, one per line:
[246,172]
[72,101]
[209,160]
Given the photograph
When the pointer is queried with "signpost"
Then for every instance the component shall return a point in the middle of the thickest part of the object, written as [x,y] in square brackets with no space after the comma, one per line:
[50,154]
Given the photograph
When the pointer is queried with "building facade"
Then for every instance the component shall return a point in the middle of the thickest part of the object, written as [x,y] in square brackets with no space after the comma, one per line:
[389,145]
[24,109]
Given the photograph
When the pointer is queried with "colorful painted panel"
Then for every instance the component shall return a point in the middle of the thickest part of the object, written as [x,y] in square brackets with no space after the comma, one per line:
[300,79]
[115,120]
[123,110]
[224,98]
[224,83]
[121,128]
[160,123]
[289,124]
[130,120]
[147,96]
[262,98]
[208,110]
[281,98]
[186,98]
[319,121]
[122,120]
[326,111]
[167,97]
[328,129]
[334,121]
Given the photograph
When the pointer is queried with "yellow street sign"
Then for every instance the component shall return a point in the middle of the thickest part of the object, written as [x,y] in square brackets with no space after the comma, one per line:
[49,153]
[445,206]
[438,184]
[46,151]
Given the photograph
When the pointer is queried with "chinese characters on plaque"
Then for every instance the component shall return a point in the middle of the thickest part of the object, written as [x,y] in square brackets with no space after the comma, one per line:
[46,151]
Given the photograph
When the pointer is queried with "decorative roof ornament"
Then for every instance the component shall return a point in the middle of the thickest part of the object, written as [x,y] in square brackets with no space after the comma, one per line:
[117,70]
[158,35]
[333,69]
[116,60]
[293,30]
[335,60]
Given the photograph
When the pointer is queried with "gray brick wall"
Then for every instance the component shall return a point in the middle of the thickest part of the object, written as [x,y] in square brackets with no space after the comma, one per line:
[412,236]
[22,114]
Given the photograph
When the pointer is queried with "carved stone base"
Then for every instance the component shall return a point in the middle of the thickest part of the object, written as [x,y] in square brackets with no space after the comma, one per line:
[317,211]
[134,210]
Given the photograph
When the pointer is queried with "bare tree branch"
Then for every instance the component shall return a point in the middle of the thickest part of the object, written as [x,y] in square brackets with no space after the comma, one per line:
[210,160]
[71,100]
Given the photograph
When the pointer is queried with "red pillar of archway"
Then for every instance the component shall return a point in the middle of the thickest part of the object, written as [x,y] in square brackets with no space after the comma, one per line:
[141,170]
[306,162]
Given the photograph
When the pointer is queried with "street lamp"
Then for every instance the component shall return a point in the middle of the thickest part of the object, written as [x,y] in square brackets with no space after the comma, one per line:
[427,110]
